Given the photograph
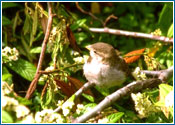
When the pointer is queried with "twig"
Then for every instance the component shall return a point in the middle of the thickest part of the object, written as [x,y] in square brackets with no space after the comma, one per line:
[33,84]
[88,13]
[59,70]
[108,18]
[132,34]
[10,88]
[162,74]
[78,93]
[132,87]
[44,89]
[49,72]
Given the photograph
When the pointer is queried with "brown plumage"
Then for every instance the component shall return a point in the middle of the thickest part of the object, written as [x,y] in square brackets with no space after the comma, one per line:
[104,67]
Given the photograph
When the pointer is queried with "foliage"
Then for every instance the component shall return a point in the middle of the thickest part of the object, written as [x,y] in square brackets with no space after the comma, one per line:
[23,30]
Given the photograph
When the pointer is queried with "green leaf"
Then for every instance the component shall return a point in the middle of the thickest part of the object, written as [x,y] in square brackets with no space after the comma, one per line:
[78,24]
[71,99]
[160,103]
[27,25]
[23,68]
[6,76]
[89,97]
[36,50]
[9,5]
[113,118]
[103,91]
[47,98]
[170,31]
[165,89]
[15,22]
[80,37]
[34,26]
[6,117]
[24,101]
[166,17]
[5,21]
[169,63]
[87,106]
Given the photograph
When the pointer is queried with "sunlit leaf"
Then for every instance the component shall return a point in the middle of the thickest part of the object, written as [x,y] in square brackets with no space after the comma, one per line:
[170,31]
[78,24]
[89,106]
[24,101]
[36,50]
[6,75]
[165,89]
[89,97]
[23,68]
[47,98]
[6,117]
[113,118]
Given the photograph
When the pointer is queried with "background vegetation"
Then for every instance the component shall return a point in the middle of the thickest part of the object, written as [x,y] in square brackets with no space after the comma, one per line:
[23,30]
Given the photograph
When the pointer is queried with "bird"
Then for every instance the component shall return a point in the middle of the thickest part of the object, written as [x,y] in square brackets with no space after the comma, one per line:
[104,67]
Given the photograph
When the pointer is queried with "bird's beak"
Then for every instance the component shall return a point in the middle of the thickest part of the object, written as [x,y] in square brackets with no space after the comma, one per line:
[88,47]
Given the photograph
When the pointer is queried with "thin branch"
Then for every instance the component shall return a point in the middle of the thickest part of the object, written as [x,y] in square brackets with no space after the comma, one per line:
[59,70]
[10,88]
[130,88]
[108,18]
[44,89]
[83,88]
[49,72]
[162,74]
[78,93]
[89,13]
[33,84]
[132,34]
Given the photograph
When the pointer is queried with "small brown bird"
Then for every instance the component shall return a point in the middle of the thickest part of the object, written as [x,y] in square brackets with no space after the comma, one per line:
[104,67]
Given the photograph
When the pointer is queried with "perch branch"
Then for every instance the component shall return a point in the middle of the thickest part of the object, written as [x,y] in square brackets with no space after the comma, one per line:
[162,74]
[126,90]
[33,84]
[132,87]
[132,34]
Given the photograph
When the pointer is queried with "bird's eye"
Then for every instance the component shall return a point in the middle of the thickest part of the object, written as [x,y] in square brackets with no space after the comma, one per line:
[95,52]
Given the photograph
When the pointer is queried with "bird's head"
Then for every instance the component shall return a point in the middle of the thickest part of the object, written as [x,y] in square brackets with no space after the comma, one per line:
[102,52]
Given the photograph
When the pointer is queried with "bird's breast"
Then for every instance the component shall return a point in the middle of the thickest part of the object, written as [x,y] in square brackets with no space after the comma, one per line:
[103,75]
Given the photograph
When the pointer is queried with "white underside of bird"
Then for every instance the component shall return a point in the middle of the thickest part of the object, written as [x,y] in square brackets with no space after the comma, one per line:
[96,72]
